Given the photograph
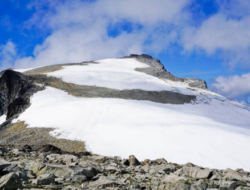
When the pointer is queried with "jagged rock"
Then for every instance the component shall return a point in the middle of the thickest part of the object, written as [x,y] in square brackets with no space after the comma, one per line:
[30,175]
[199,185]
[216,176]
[60,171]
[79,178]
[172,178]
[110,173]
[242,188]
[10,181]
[44,179]
[89,172]
[228,185]
[27,148]
[179,185]
[38,168]
[133,161]
[104,182]
[12,168]
[15,152]
[157,69]
[194,172]
[4,164]
[125,162]
[16,89]
[234,176]
[111,169]
[22,176]
[66,159]
[164,168]
[159,161]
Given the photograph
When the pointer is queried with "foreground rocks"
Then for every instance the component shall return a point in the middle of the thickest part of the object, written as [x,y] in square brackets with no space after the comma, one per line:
[50,168]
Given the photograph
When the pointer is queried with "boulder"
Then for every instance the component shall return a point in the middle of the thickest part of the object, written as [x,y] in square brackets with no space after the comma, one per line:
[172,178]
[194,172]
[234,176]
[4,164]
[10,181]
[38,168]
[103,182]
[66,159]
[79,178]
[133,161]
[12,168]
[44,179]
[60,171]
[159,161]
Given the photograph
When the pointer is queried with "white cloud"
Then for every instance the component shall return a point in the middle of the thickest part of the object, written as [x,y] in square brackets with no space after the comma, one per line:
[79,44]
[218,32]
[7,55]
[80,29]
[235,86]
[226,33]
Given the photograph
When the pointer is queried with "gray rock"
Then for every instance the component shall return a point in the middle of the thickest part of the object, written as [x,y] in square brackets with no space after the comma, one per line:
[230,185]
[216,176]
[242,188]
[45,179]
[10,181]
[172,178]
[60,171]
[157,69]
[199,185]
[12,168]
[159,161]
[38,168]
[4,164]
[133,161]
[234,176]
[103,182]
[67,159]
[194,172]
[79,178]
[164,168]
[15,152]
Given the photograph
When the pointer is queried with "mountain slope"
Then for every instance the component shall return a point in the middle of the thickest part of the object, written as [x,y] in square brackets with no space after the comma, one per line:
[134,106]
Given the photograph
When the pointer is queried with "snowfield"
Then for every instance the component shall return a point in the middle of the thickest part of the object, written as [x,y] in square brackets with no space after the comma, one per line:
[2,119]
[117,74]
[210,132]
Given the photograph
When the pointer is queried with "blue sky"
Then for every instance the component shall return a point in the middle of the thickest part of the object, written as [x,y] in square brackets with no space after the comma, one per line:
[206,39]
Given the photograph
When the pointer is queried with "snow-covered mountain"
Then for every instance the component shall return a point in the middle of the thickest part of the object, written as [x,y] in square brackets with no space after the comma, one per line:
[125,106]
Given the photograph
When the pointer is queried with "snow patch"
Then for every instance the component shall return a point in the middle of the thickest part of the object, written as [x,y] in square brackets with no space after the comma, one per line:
[214,134]
[2,119]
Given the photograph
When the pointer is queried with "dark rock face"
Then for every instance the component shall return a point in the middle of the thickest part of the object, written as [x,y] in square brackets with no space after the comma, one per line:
[15,92]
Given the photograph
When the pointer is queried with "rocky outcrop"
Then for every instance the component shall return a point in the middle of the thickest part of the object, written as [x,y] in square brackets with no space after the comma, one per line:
[49,167]
[156,69]
[15,91]
[95,92]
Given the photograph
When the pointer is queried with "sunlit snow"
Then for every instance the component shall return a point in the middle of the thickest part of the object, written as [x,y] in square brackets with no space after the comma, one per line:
[210,133]
[113,73]
[2,119]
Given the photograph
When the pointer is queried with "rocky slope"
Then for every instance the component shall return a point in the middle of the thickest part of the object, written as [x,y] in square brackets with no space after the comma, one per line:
[48,167]
[125,106]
